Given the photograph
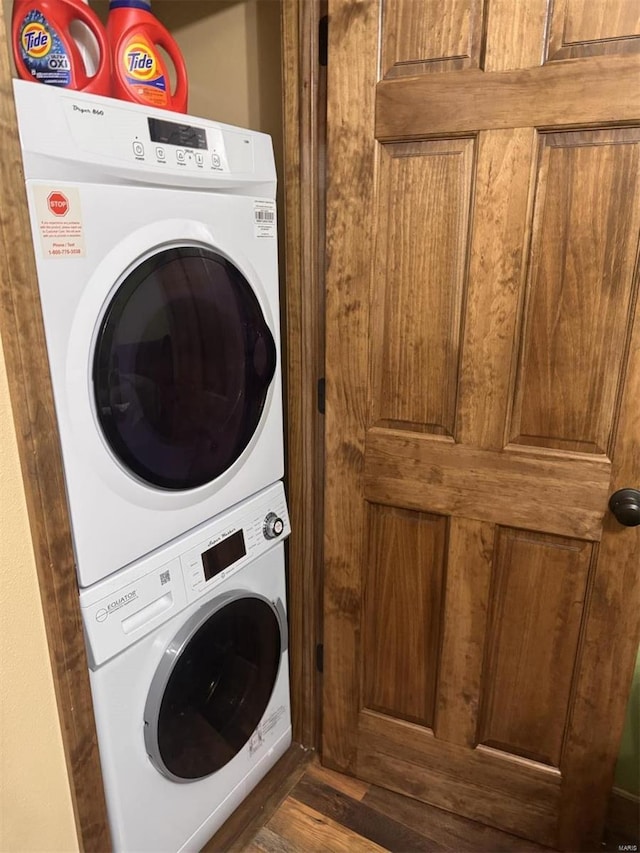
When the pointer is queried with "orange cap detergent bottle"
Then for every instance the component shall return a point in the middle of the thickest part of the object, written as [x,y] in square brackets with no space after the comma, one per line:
[139,71]
[55,41]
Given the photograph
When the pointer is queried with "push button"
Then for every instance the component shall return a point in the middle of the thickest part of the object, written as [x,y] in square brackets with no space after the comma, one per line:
[180,156]
[138,149]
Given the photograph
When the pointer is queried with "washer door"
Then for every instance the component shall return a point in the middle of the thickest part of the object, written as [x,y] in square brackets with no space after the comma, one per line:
[213,685]
[182,366]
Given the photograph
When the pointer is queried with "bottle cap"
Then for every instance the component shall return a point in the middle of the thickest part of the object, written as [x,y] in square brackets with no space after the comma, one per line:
[145,5]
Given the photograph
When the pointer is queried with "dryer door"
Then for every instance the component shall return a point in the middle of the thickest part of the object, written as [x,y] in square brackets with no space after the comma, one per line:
[182,366]
[213,685]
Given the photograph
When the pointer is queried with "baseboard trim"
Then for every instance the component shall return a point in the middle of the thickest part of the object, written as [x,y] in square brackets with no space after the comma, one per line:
[623,816]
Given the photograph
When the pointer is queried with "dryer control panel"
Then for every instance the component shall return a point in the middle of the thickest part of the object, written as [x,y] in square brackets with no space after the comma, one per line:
[110,130]
[121,609]
[68,135]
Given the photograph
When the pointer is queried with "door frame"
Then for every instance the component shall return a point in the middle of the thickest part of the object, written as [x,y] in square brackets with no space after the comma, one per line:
[304,115]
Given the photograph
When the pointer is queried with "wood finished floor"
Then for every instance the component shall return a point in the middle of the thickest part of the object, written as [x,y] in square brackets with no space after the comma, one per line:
[301,807]
[326,811]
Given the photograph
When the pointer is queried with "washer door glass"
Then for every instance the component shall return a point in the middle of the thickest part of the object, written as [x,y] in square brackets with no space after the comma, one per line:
[218,689]
[182,367]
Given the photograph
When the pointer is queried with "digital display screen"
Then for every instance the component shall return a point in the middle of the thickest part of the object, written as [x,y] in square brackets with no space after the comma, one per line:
[223,555]
[171,133]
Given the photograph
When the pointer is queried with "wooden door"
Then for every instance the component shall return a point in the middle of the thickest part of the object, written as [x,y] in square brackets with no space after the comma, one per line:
[483,402]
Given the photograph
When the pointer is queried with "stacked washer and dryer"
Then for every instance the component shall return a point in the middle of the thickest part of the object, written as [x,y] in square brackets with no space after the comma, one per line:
[155,243]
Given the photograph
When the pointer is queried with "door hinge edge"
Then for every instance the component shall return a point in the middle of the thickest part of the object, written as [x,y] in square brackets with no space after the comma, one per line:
[323,40]
[321,395]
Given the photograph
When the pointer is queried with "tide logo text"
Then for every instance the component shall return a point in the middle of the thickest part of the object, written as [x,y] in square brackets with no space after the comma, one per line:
[140,62]
[36,41]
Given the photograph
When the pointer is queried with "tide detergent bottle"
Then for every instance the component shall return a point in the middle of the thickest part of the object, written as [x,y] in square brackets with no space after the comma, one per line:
[61,43]
[139,71]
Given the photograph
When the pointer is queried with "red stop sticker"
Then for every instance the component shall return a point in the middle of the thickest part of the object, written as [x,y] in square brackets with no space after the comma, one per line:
[58,203]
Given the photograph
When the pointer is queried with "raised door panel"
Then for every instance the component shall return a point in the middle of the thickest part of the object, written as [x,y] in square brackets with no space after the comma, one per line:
[431,35]
[418,282]
[537,600]
[403,586]
[582,262]
[582,28]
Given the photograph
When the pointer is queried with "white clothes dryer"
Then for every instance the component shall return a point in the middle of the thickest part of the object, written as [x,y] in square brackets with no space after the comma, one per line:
[189,676]
[155,243]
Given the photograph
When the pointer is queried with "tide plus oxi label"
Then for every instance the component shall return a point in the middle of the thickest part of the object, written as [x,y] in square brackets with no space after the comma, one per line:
[144,72]
[43,52]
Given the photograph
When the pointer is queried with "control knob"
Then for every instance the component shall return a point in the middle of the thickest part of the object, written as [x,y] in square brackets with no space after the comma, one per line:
[273,526]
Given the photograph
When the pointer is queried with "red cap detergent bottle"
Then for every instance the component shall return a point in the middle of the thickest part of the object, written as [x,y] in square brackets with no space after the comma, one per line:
[139,70]
[61,43]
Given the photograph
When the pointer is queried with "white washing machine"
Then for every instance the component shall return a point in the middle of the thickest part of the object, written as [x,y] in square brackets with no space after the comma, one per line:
[155,244]
[189,675]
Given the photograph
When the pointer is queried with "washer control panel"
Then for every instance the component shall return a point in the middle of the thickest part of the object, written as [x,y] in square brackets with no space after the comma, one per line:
[226,548]
[120,609]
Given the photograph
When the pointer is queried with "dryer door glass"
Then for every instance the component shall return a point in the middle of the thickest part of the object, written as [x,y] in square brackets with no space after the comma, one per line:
[219,689]
[182,367]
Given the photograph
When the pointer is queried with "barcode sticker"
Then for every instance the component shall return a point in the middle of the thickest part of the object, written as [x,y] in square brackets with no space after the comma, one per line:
[165,577]
[264,218]
[265,215]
